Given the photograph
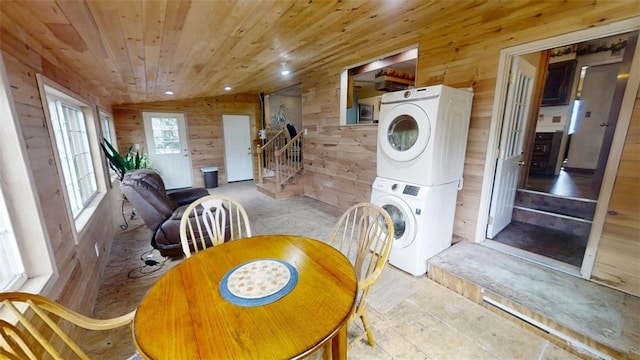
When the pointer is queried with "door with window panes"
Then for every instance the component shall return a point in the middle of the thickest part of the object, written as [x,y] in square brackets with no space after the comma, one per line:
[168,151]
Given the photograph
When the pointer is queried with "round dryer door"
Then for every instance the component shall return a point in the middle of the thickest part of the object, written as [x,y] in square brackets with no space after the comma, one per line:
[404,132]
[404,223]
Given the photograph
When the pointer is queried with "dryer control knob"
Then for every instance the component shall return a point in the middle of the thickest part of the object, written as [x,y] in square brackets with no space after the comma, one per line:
[394,187]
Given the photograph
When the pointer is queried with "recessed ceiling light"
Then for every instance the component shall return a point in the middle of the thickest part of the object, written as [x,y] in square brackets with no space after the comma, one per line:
[168,92]
[228,88]
[285,69]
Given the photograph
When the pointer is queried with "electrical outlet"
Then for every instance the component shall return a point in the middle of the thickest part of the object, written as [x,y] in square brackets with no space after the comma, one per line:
[95,246]
[305,131]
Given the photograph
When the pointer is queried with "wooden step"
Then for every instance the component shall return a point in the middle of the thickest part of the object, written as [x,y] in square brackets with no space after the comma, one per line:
[564,223]
[289,190]
[574,207]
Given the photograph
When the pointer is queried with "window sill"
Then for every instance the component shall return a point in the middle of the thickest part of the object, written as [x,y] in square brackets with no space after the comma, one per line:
[85,216]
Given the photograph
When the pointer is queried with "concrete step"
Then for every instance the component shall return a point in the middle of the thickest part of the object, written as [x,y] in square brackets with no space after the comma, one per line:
[563,308]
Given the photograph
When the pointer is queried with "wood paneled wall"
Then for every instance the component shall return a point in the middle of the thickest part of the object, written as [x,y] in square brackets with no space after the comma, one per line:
[340,160]
[466,57]
[204,125]
[78,269]
[618,257]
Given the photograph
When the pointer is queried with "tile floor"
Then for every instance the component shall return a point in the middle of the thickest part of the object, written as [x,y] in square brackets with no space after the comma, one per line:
[412,317]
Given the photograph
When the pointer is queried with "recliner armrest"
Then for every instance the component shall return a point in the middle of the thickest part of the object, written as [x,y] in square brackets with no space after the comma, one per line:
[187,196]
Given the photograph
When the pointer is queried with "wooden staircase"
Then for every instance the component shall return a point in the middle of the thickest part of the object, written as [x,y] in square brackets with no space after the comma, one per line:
[282,166]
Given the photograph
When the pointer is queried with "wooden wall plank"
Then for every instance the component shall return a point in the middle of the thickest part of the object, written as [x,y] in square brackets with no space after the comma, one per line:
[617,260]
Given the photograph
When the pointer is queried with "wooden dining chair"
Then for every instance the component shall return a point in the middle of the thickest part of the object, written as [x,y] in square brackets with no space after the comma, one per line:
[364,234]
[39,327]
[212,220]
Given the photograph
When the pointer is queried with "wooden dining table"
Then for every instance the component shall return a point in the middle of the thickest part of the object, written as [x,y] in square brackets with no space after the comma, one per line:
[187,313]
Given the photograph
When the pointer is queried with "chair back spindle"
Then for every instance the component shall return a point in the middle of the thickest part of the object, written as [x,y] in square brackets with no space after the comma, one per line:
[39,328]
[210,221]
[364,234]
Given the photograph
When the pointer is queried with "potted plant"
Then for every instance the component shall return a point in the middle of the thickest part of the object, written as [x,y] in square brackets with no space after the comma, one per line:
[279,118]
[121,164]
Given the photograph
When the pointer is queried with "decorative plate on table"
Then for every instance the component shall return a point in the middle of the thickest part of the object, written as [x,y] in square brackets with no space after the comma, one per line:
[258,282]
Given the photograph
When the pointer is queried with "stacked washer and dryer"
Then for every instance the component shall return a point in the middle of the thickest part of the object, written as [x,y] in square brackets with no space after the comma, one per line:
[422,139]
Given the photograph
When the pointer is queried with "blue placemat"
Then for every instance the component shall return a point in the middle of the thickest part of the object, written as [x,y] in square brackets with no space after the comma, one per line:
[258,282]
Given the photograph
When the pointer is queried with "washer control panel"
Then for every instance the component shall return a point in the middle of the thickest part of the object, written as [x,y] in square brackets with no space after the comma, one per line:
[399,188]
[411,190]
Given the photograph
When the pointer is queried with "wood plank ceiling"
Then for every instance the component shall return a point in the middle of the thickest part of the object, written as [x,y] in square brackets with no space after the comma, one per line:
[132,51]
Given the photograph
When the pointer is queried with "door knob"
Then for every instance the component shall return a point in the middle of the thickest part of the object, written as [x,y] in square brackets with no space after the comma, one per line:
[604,124]
[521,163]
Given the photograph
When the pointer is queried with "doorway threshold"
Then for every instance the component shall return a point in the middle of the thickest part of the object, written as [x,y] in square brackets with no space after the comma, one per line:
[591,320]
[535,258]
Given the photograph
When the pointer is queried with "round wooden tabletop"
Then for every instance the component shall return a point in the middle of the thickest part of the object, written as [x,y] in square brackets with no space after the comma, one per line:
[184,316]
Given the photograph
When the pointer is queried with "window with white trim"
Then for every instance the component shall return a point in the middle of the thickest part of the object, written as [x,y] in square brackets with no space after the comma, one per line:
[109,133]
[105,123]
[72,141]
[74,129]
[12,273]
[26,256]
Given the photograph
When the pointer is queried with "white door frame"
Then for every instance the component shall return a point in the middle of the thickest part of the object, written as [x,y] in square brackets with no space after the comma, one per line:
[185,178]
[238,160]
[624,118]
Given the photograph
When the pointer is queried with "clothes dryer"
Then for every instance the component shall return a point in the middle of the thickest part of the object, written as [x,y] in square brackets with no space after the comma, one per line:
[422,134]
[422,218]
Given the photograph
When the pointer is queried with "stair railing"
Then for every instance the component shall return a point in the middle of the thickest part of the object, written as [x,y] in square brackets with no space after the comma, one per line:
[266,154]
[289,160]
[282,158]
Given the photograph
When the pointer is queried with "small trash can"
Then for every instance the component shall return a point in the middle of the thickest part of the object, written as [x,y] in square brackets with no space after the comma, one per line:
[210,175]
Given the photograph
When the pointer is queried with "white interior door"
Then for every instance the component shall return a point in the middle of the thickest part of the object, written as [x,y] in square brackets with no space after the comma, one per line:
[597,94]
[166,137]
[509,160]
[237,147]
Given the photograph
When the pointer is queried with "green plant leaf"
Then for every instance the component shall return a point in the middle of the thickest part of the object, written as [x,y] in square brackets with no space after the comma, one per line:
[121,164]
[116,162]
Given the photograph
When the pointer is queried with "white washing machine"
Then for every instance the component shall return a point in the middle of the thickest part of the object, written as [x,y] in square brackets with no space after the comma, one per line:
[422,134]
[422,218]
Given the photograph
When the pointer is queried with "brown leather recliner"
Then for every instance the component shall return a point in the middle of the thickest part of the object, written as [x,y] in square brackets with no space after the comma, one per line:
[160,210]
